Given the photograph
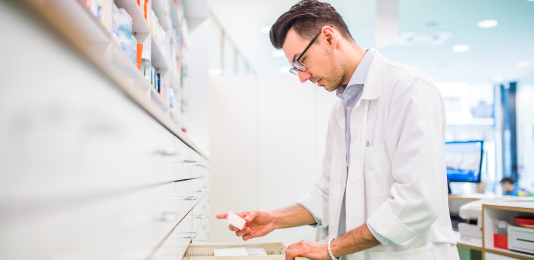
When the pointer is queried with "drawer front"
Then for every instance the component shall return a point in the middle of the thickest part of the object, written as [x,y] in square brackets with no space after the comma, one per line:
[146,217]
[491,256]
[201,218]
[177,242]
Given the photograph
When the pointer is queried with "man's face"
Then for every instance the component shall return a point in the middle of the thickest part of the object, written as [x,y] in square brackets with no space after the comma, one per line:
[507,187]
[319,60]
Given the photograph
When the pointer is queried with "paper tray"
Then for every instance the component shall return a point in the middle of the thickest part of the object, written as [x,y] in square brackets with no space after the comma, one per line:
[275,251]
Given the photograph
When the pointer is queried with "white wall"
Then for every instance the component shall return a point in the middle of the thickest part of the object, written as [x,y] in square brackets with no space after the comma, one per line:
[267,141]
[197,120]
[525,131]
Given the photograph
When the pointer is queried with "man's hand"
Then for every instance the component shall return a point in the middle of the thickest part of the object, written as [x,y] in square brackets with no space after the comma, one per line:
[308,249]
[259,223]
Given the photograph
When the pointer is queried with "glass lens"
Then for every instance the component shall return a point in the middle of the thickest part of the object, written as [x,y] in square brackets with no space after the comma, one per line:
[293,71]
[299,66]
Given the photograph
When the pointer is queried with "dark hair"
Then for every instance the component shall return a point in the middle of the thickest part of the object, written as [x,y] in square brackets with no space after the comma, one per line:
[307,17]
[508,180]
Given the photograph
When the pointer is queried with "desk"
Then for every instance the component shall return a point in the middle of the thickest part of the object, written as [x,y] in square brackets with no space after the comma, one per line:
[499,208]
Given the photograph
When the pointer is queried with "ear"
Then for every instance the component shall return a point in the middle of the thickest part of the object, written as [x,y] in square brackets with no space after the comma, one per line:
[331,36]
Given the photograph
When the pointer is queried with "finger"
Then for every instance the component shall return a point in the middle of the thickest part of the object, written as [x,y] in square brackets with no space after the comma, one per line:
[252,215]
[294,252]
[250,235]
[222,215]
[232,228]
[243,232]
[289,254]
[296,249]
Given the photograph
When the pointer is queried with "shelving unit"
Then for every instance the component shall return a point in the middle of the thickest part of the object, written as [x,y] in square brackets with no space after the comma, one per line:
[113,173]
[158,59]
[139,23]
[503,211]
[499,209]
[98,45]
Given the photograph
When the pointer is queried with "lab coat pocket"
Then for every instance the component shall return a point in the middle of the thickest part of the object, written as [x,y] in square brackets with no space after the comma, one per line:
[377,167]
[421,253]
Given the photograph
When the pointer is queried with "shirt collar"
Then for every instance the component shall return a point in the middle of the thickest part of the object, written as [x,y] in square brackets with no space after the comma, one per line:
[359,76]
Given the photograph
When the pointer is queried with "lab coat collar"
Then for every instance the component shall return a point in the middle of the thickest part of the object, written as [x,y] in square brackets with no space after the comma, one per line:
[373,83]
[372,87]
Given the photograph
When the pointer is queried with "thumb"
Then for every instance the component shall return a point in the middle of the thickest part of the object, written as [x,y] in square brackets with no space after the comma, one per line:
[250,217]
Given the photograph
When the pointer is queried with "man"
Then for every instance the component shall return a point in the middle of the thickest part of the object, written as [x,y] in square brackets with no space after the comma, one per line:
[383,189]
[509,188]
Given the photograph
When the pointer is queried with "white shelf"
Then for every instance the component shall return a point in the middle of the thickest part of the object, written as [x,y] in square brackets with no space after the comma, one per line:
[175,19]
[509,253]
[80,17]
[175,83]
[158,59]
[468,244]
[139,23]
[73,17]
[122,62]
[178,51]
[163,20]
[504,210]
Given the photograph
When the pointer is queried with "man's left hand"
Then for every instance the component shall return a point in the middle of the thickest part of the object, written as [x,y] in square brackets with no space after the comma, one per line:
[308,249]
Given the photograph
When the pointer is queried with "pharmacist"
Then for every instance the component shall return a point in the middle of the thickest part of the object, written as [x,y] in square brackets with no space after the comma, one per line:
[383,189]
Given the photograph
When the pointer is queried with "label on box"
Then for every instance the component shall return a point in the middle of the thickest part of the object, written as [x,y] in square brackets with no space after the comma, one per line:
[238,251]
[256,251]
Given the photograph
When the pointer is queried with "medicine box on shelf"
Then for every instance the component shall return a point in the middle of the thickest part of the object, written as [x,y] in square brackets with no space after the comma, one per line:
[275,251]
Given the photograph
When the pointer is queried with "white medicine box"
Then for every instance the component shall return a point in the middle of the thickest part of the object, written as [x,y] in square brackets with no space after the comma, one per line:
[275,251]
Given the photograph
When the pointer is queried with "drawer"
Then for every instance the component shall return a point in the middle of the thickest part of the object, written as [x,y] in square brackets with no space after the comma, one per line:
[204,251]
[177,242]
[189,164]
[491,256]
[145,218]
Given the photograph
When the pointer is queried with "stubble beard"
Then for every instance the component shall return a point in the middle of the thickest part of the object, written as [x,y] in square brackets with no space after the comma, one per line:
[335,79]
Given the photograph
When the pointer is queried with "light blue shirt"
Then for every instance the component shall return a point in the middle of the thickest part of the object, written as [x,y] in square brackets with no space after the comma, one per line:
[351,95]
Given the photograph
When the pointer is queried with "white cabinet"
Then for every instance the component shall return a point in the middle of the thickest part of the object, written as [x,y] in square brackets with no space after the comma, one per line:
[491,256]
[88,168]
[275,251]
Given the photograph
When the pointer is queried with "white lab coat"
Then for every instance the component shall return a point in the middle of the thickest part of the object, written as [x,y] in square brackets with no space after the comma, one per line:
[399,182]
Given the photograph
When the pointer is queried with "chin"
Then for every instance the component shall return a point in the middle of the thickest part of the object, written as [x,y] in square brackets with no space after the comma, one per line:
[329,89]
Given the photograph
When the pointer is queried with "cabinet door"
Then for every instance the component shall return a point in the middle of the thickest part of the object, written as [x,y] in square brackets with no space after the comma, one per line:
[177,242]
[491,256]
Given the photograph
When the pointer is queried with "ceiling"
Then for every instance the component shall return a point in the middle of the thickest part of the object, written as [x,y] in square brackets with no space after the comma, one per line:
[493,51]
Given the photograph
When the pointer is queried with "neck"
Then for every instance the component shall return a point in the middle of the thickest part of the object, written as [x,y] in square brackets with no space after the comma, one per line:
[352,54]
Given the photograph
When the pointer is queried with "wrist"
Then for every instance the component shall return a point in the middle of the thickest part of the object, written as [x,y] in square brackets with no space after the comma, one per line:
[334,248]
[330,253]
[277,223]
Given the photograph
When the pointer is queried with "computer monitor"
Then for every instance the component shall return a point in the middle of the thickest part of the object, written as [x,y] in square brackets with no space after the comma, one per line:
[464,161]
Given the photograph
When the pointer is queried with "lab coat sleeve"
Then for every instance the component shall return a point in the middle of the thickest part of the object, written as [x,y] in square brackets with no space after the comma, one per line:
[316,202]
[414,139]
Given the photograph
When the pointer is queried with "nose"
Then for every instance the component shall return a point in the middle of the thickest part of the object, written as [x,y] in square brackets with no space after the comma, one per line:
[303,76]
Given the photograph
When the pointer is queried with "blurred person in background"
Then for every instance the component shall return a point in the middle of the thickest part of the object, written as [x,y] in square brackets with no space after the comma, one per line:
[509,188]
[481,187]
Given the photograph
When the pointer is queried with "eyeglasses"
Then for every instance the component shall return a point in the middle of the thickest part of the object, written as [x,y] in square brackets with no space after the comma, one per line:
[297,64]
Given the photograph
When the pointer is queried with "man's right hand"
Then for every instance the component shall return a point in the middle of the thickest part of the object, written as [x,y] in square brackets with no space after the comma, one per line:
[259,223]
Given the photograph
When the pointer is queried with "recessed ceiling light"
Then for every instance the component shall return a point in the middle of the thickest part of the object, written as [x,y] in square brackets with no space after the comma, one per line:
[278,53]
[432,24]
[487,23]
[284,69]
[523,63]
[460,48]
[423,38]
[265,29]
[498,78]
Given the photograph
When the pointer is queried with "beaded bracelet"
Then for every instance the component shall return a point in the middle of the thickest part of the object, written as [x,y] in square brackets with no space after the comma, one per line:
[330,251]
